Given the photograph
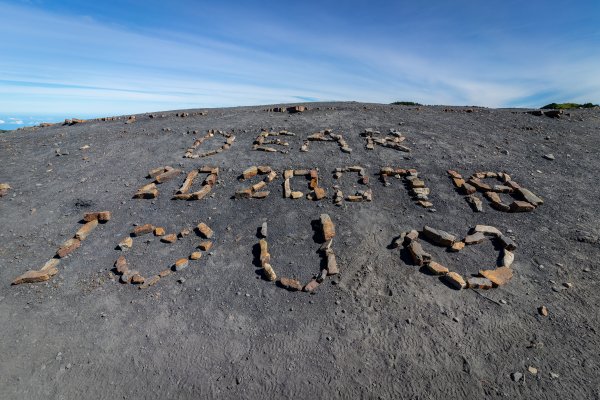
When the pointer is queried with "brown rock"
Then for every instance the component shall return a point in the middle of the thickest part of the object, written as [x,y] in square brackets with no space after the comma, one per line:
[543,310]
[153,173]
[142,230]
[167,175]
[250,172]
[453,174]
[521,206]
[260,195]
[493,197]
[189,180]
[165,272]
[296,195]
[438,237]
[121,265]
[475,202]
[417,253]
[487,230]
[498,276]
[101,216]
[457,246]
[332,268]
[425,203]
[290,284]
[200,194]
[474,238]
[507,242]
[146,194]
[319,193]
[484,187]
[50,264]
[204,231]
[508,258]
[269,273]
[479,283]
[436,268]
[458,182]
[150,282]
[530,197]
[243,194]
[468,189]
[311,286]
[137,279]
[196,255]
[412,235]
[455,280]
[327,226]
[500,206]
[181,264]
[258,186]
[185,232]
[205,245]
[125,244]
[158,231]
[170,238]
[35,276]
[86,229]
[68,247]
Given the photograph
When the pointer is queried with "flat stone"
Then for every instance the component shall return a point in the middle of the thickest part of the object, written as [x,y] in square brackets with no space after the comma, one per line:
[181,264]
[121,265]
[142,229]
[475,203]
[457,246]
[165,272]
[327,226]
[269,273]
[499,276]
[170,238]
[35,276]
[196,255]
[68,247]
[549,156]
[311,286]
[417,253]
[167,175]
[264,230]
[468,188]
[205,231]
[320,193]
[261,195]
[487,230]
[454,174]
[125,244]
[184,232]
[250,172]
[332,268]
[436,268]
[474,238]
[530,197]
[150,282]
[86,229]
[158,231]
[455,280]
[101,216]
[425,203]
[507,258]
[521,206]
[296,195]
[411,235]
[543,311]
[438,236]
[506,242]
[290,284]
[137,279]
[50,264]
[479,283]
[205,245]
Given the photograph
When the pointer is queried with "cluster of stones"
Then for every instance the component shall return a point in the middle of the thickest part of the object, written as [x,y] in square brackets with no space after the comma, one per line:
[359,195]
[134,277]
[183,193]
[487,278]
[160,175]
[326,250]
[49,269]
[291,110]
[73,121]
[261,142]
[317,193]
[471,186]
[256,191]
[327,135]
[391,141]
[417,187]
[4,188]
[548,113]
[229,139]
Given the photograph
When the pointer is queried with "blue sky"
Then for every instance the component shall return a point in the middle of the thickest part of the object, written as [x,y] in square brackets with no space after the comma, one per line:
[66,58]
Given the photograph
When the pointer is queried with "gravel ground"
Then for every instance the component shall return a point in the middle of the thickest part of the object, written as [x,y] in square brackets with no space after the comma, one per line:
[382,328]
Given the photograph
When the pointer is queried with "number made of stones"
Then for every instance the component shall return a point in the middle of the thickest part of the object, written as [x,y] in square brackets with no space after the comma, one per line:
[416,186]
[183,193]
[192,151]
[256,191]
[316,193]
[326,251]
[49,269]
[392,140]
[523,200]
[327,135]
[487,278]
[132,276]
[359,195]
[263,143]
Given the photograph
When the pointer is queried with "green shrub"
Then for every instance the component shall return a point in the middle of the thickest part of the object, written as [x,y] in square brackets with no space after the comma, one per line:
[566,106]
[406,103]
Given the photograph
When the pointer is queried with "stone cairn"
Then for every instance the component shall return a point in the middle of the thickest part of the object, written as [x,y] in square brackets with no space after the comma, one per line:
[131,276]
[262,142]
[391,141]
[524,201]
[256,191]
[326,135]
[418,190]
[487,278]
[229,139]
[49,269]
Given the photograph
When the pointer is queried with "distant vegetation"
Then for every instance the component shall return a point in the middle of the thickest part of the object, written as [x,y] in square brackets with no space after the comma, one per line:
[406,103]
[566,106]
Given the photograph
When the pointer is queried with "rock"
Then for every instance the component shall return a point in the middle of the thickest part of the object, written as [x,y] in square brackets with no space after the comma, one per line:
[180,264]
[260,195]
[516,376]
[530,197]
[170,238]
[436,268]
[521,206]
[474,238]
[411,236]
[499,276]
[457,246]
[86,229]
[150,282]
[269,273]
[568,285]
[487,230]
[121,265]
[142,230]
[296,195]
[167,175]
[332,268]
[50,264]
[543,311]
[479,283]
[250,172]
[468,188]
[319,193]
[35,276]
[438,237]
[205,245]
[263,230]
[532,370]
[506,242]
[549,156]
[327,226]
[125,244]
[455,280]
[68,247]
[507,258]
[158,231]
[196,255]
[475,202]
[311,286]
[137,279]
[264,257]
[417,253]
[165,272]
[290,284]
[205,231]
[101,216]
[484,187]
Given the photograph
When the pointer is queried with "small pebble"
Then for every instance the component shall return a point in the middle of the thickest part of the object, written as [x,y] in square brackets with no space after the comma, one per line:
[516,376]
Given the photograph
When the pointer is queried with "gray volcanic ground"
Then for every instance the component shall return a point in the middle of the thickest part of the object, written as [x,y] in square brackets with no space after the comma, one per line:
[381,328]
